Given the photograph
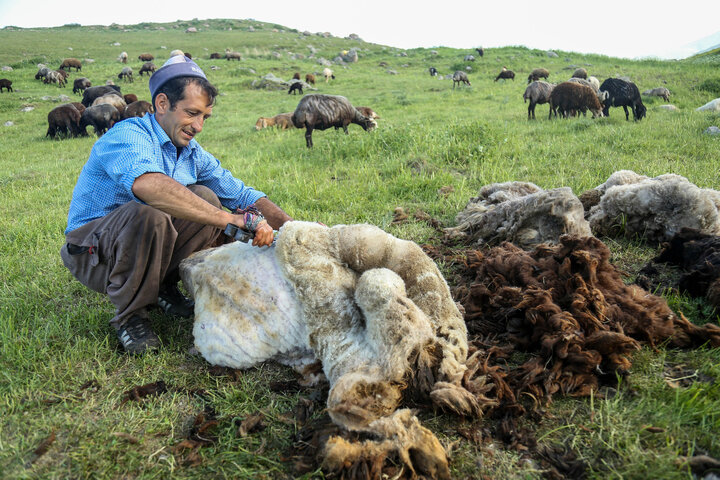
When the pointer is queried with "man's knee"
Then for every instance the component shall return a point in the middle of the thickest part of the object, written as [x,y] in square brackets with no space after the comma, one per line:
[206,194]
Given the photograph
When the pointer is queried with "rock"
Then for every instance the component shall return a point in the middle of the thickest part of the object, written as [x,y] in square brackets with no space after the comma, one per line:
[306,33]
[324,62]
[70,48]
[392,72]
[89,61]
[251,29]
[191,30]
[669,108]
[276,55]
[117,44]
[469,58]
[433,52]
[27,109]
[9,123]
[354,36]
[402,54]
[711,106]
[712,130]
[551,54]
[7,68]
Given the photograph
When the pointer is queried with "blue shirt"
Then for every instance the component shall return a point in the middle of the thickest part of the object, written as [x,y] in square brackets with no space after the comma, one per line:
[139,145]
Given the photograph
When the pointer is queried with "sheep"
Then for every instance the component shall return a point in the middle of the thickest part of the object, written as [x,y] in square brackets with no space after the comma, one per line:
[146,57]
[296,76]
[148,68]
[294,87]
[654,209]
[320,112]
[126,74]
[571,97]
[80,107]
[580,73]
[42,72]
[658,92]
[595,85]
[480,51]
[460,77]
[137,109]
[469,58]
[368,112]
[5,83]
[624,94]
[215,56]
[130,98]
[113,99]
[521,213]
[229,55]
[123,57]
[188,54]
[80,84]
[433,71]
[373,309]
[176,52]
[54,76]
[328,74]
[69,63]
[102,117]
[505,74]
[537,74]
[538,93]
[711,106]
[63,120]
[283,121]
[91,93]
[310,78]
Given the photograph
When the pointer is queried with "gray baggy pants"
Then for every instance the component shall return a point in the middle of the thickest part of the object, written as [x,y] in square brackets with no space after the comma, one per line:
[133,250]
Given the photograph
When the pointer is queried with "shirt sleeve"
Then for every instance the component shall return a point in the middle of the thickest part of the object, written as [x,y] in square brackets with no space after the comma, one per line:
[232,192]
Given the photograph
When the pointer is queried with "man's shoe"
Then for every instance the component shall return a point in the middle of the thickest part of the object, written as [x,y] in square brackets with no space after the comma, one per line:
[173,302]
[136,336]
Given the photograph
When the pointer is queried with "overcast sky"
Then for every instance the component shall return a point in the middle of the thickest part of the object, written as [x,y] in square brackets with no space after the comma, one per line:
[619,28]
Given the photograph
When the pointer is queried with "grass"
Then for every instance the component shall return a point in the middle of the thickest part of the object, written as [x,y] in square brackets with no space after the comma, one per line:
[54,335]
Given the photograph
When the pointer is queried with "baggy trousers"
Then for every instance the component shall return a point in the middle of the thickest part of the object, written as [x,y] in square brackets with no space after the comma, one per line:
[131,251]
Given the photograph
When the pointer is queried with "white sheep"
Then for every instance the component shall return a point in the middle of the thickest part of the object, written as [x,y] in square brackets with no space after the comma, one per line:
[328,74]
[123,57]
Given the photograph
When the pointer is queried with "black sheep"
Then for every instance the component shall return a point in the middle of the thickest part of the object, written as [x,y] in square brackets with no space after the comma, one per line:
[63,119]
[148,67]
[623,94]
[505,74]
[294,87]
[102,117]
[480,51]
[5,83]
[433,71]
[80,84]
[320,112]
[460,77]
[91,93]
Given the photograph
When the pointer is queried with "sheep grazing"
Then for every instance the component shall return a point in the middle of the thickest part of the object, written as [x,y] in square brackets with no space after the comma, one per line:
[5,83]
[42,72]
[368,112]
[148,68]
[215,56]
[101,117]
[538,93]
[126,74]
[570,97]
[146,57]
[69,63]
[63,120]
[580,73]
[91,93]
[54,76]
[310,79]
[621,93]
[113,99]
[373,309]
[460,77]
[320,112]
[295,87]
[654,209]
[537,74]
[230,55]
[80,84]
[123,57]
[283,121]
[505,74]
[328,74]
[130,98]
[433,71]
[137,109]
[480,51]
[595,85]
[521,213]
[658,92]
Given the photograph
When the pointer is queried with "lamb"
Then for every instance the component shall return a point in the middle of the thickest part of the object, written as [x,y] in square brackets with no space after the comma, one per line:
[113,99]
[658,92]
[130,98]
[310,78]
[537,74]
[63,120]
[654,209]
[5,83]
[146,57]
[460,77]
[505,74]
[624,94]
[571,97]
[328,74]
[320,112]
[123,57]
[294,87]
[69,63]
[80,84]
[102,117]
[283,121]
[126,74]
[54,76]
[233,55]
[433,71]
[91,93]
[580,73]
[148,67]
[521,213]
[538,93]
[137,109]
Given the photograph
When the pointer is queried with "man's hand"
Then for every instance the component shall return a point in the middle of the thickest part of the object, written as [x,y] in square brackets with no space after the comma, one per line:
[264,235]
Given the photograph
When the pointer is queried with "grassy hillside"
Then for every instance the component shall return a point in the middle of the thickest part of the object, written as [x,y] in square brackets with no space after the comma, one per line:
[60,369]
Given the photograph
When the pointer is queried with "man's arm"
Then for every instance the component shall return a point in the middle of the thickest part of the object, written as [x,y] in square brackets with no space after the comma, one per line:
[274,215]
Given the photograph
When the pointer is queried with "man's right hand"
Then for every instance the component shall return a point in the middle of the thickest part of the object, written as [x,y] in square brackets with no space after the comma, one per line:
[264,234]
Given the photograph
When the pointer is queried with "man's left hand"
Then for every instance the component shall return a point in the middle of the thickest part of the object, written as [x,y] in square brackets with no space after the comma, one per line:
[264,235]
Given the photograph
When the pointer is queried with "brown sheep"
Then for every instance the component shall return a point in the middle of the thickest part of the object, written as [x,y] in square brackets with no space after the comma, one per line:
[5,83]
[505,74]
[570,97]
[69,63]
[537,74]
[310,78]
[368,112]
[130,98]
[283,121]
[296,76]
[146,57]
[80,84]
[233,55]
[580,73]
[215,55]
[80,107]
[137,109]
[148,67]
[63,120]
[320,112]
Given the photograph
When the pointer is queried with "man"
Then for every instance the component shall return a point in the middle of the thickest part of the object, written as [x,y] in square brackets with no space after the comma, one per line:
[148,197]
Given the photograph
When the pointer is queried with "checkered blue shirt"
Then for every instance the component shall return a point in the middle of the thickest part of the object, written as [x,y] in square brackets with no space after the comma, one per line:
[139,145]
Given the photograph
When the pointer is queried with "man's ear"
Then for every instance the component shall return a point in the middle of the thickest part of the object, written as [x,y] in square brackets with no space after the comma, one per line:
[162,103]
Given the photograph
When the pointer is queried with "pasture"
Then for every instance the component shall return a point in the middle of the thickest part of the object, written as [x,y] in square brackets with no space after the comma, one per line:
[63,379]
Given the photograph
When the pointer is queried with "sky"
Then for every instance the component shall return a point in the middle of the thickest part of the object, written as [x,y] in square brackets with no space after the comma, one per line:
[618,28]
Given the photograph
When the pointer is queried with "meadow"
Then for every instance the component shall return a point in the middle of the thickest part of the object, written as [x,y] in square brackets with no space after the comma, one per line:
[63,376]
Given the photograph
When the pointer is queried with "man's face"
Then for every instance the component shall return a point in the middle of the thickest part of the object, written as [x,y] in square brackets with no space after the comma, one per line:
[187,118]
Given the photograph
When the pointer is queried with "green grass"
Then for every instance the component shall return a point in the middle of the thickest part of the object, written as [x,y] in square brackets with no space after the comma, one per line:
[54,335]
